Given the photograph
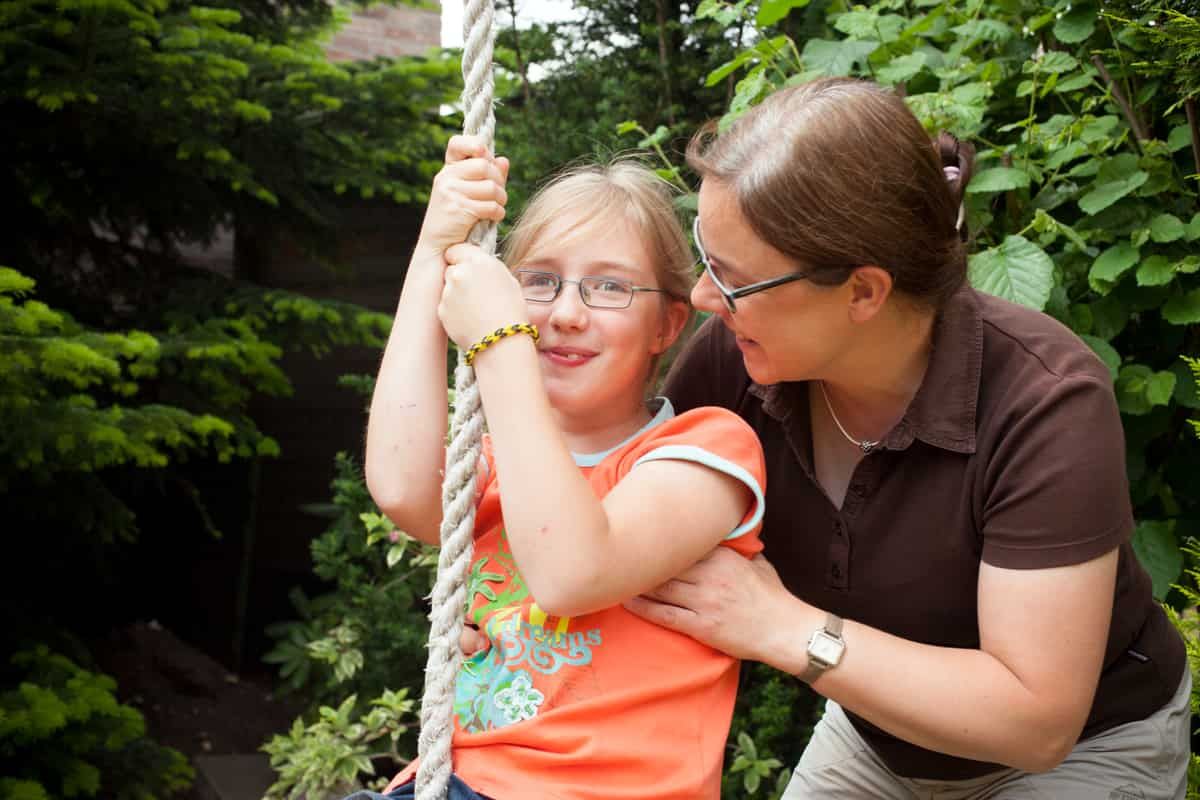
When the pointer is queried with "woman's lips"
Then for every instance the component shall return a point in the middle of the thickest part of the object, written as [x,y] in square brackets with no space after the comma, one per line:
[568,356]
[743,342]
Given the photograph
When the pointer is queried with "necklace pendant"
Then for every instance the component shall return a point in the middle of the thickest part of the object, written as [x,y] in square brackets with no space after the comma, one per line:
[867,447]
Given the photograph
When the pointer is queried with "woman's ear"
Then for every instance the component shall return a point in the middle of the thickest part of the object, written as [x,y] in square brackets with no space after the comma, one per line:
[672,324]
[870,286]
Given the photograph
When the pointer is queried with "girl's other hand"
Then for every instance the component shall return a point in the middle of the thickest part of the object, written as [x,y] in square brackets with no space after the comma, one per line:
[479,295]
[469,188]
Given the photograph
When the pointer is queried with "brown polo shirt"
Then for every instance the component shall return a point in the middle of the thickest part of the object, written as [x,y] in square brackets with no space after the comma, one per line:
[1012,452]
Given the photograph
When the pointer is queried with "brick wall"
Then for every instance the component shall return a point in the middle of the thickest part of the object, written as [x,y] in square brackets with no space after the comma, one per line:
[386,31]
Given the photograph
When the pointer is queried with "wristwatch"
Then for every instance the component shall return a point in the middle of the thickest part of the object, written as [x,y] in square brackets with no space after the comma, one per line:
[825,649]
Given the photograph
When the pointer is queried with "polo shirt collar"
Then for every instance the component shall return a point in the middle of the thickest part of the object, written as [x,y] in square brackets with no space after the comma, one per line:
[942,413]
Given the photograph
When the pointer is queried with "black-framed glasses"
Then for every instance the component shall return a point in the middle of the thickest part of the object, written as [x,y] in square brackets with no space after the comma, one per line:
[595,291]
[730,295]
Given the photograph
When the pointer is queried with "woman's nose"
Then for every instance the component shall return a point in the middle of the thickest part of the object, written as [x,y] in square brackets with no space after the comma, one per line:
[706,296]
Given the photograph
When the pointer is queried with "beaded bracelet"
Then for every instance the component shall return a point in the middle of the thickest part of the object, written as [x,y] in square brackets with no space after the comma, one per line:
[498,334]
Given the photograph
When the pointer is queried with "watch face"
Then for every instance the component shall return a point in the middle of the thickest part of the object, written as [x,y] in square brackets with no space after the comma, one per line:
[824,647]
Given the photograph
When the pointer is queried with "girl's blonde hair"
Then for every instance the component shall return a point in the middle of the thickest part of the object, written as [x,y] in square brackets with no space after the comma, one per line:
[624,189]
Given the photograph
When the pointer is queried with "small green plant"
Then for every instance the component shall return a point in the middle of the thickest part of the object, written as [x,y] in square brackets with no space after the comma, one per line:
[754,769]
[64,734]
[1187,622]
[333,754]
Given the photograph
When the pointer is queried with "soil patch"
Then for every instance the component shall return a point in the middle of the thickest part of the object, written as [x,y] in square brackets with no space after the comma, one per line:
[191,702]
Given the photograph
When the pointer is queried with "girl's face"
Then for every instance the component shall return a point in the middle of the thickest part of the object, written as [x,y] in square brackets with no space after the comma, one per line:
[595,361]
[790,332]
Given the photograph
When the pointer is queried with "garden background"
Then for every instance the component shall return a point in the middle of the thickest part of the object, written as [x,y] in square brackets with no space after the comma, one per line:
[138,391]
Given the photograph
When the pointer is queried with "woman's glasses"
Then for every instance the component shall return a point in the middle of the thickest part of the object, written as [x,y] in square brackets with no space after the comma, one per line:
[730,295]
[595,291]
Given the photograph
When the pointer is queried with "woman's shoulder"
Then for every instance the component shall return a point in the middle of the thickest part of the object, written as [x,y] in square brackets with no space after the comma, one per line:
[1037,379]
[1032,346]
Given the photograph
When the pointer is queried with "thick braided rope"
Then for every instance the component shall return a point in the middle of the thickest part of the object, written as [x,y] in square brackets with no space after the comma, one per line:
[458,508]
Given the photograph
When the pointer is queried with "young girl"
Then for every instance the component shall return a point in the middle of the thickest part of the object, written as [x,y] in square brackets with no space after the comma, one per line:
[587,495]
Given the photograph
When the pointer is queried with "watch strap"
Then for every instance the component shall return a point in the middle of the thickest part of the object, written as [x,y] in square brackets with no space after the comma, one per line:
[815,668]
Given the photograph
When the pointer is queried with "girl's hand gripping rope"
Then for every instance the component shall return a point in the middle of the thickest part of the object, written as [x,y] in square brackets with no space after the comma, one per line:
[479,295]
[469,188]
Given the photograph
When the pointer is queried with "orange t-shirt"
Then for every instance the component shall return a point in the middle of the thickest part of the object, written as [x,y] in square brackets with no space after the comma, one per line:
[606,705]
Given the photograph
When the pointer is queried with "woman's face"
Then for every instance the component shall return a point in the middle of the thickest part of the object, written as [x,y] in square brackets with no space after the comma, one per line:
[787,333]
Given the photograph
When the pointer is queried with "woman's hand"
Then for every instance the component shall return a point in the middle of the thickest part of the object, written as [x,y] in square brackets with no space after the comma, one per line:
[471,641]
[469,188]
[731,603]
[479,295]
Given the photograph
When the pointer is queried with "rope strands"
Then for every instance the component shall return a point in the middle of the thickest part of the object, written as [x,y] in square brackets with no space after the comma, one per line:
[458,486]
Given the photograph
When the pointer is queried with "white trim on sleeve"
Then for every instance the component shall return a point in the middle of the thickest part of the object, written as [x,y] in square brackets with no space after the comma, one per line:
[686,452]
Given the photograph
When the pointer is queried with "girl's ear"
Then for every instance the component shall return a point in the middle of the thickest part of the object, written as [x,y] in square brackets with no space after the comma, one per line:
[671,324]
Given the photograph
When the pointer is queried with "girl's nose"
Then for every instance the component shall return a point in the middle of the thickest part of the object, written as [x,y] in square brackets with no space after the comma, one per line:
[568,310]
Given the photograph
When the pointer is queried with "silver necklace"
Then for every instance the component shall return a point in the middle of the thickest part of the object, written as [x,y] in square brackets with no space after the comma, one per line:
[864,445]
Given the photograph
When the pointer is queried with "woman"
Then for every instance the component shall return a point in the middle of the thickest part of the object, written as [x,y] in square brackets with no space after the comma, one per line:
[948,524]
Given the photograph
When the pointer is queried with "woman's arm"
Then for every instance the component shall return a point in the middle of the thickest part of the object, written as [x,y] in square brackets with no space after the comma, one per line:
[1020,700]
[577,553]
[406,430]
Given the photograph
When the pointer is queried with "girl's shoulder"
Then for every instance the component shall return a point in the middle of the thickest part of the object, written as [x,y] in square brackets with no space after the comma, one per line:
[707,434]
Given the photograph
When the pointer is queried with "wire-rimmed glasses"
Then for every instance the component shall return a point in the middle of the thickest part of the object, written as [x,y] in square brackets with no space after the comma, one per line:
[596,291]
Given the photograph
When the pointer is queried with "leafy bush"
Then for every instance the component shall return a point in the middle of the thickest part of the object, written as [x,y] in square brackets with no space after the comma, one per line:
[64,734]
[368,632]
[365,635]
[335,754]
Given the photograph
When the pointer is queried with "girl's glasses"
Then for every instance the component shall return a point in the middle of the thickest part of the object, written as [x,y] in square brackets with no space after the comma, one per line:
[730,295]
[595,291]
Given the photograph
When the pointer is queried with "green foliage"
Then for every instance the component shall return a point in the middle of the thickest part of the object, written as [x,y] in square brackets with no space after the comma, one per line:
[754,769]
[368,632]
[363,636]
[77,401]
[132,127]
[1194,366]
[640,60]
[331,756]
[64,734]
[772,721]
[169,119]
[1187,622]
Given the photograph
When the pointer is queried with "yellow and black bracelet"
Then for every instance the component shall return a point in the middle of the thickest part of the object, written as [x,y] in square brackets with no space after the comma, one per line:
[498,334]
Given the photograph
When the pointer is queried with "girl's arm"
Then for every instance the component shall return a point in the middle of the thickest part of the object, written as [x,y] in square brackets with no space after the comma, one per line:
[406,429]
[1021,699]
[577,553]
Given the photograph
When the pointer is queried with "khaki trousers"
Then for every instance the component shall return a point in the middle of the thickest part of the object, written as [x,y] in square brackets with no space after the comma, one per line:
[1144,760]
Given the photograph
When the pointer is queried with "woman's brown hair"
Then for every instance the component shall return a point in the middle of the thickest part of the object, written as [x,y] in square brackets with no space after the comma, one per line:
[837,174]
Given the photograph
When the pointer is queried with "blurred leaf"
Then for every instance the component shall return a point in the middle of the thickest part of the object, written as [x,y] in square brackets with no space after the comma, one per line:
[1017,270]
[1156,548]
